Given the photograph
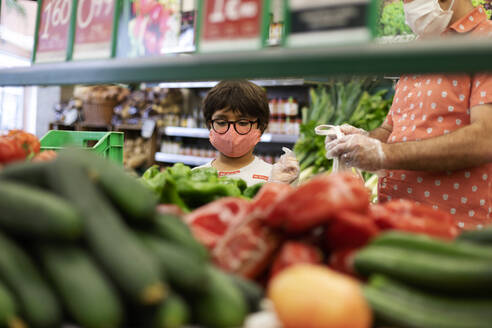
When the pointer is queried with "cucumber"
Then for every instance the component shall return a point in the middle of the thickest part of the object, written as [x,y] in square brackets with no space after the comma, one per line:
[222,305]
[85,291]
[130,195]
[173,229]
[425,269]
[429,244]
[483,236]
[406,307]
[31,173]
[251,291]
[124,258]
[30,211]
[184,271]
[173,313]
[38,305]
[8,309]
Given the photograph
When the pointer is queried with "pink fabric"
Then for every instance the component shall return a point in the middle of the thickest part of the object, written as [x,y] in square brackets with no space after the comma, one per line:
[233,144]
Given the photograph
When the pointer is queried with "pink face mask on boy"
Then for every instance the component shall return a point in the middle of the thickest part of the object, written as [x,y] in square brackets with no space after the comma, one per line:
[233,144]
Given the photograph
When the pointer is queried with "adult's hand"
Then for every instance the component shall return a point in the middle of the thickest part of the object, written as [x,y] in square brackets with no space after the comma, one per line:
[358,151]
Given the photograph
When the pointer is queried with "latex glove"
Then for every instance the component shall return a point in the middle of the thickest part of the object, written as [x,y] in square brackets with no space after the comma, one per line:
[286,170]
[358,151]
[332,132]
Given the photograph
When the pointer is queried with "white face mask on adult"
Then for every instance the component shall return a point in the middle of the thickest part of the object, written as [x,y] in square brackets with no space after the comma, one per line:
[426,17]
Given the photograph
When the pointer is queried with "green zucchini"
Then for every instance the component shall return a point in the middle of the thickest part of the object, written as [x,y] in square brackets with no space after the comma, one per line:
[30,211]
[402,306]
[429,244]
[252,292]
[85,291]
[8,309]
[184,271]
[31,173]
[483,236]
[123,257]
[127,193]
[172,313]
[173,229]
[425,269]
[38,305]
[222,305]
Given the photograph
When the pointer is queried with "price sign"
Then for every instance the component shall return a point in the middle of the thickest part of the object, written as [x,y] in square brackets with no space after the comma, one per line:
[231,25]
[318,22]
[94,27]
[53,26]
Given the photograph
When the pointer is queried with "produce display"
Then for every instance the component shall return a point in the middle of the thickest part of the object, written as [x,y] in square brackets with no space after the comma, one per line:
[83,242]
[190,189]
[325,220]
[337,103]
[420,281]
[18,145]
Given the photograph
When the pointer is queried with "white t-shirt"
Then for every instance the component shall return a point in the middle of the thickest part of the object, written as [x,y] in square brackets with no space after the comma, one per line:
[256,172]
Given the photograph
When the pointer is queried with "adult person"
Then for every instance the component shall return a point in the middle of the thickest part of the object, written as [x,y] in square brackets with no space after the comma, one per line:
[436,142]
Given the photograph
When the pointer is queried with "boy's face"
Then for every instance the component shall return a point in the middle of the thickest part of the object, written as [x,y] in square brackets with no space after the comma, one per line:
[228,115]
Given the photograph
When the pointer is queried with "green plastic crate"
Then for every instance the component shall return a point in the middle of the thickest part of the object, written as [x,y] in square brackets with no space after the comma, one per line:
[108,144]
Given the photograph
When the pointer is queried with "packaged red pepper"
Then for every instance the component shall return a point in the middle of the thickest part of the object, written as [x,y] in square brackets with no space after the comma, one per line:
[293,253]
[317,201]
[408,216]
[247,249]
[350,230]
[209,223]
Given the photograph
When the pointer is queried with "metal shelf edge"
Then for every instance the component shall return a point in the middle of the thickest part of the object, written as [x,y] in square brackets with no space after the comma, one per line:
[434,56]
[185,159]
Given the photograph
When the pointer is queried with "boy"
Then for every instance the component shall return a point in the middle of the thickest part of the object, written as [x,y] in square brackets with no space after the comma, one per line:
[237,114]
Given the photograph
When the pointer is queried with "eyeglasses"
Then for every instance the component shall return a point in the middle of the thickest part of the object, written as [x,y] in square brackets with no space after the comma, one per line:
[242,126]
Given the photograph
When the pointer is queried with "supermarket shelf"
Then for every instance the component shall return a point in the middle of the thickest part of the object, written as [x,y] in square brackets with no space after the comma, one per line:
[175,158]
[211,84]
[203,133]
[371,58]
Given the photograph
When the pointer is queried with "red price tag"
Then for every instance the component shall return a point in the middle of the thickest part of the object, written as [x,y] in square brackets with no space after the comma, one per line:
[231,24]
[53,30]
[94,28]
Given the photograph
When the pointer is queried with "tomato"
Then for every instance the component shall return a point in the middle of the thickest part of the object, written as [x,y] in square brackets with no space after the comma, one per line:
[45,156]
[317,201]
[27,141]
[293,253]
[408,216]
[350,230]
[10,150]
[210,222]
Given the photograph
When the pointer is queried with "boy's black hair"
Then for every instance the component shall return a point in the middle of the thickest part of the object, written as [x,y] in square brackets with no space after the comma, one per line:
[240,96]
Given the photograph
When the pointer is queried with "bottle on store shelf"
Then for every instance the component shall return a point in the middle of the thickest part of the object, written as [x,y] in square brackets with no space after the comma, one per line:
[281,124]
[288,126]
[273,105]
[297,127]
[292,107]
[281,106]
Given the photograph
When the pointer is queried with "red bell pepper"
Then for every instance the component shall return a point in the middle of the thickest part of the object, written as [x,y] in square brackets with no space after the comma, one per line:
[316,202]
[293,253]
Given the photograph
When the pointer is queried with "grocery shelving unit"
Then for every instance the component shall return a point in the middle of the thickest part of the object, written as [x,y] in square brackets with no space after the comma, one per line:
[458,55]
[185,159]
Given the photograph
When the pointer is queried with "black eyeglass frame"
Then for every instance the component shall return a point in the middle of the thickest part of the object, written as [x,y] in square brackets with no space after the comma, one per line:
[234,124]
